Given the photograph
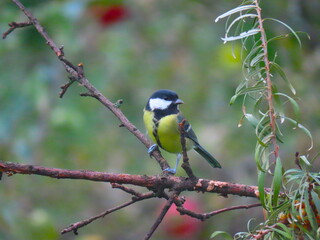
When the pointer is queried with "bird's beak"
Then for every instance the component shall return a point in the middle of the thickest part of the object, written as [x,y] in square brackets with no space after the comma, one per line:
[178,101]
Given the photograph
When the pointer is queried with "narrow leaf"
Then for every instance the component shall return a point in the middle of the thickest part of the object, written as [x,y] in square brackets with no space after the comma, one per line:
[310,213]
[283,76]
[225,235]
[252,52]
[256,59]
[304,129]
[256,106]
[277,182]
[316,200]
[281,208]
[239,18]
[258,71]
[286,233]
[304,159]
[258,155]
[233,99]
[251,90]
[287,26]
[235,10]
[293,102]
[241,35]
[261,178]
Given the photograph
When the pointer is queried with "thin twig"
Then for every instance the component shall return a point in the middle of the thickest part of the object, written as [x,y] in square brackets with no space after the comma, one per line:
[13,26]
[65,87]
[297,160]
[44,34]
[75,226]
[185,165]
[161,216]
[204,216]
[126,189]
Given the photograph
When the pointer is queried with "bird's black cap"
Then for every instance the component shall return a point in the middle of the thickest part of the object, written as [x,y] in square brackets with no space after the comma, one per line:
[165,94]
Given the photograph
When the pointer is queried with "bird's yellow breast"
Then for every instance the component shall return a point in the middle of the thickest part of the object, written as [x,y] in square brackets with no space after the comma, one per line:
[166,131]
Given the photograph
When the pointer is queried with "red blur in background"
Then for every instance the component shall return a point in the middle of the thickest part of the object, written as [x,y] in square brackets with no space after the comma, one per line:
[179,226]
[108,15]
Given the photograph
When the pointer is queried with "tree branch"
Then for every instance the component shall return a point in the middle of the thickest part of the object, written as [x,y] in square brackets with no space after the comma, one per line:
[13,26]
[185,165]
[161,215]
[178,184]
[204,216]
[126,189]
[75,226]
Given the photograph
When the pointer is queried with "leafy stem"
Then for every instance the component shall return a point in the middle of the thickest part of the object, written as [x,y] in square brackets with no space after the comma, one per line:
[272,115]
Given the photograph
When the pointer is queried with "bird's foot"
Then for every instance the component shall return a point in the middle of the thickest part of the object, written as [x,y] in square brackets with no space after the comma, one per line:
[171,170]
[152,148]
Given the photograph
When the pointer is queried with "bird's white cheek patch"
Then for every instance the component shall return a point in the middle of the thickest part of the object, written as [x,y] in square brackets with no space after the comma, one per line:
[158,103]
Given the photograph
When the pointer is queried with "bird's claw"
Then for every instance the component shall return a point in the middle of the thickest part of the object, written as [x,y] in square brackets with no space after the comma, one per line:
[170,170]
[152,148]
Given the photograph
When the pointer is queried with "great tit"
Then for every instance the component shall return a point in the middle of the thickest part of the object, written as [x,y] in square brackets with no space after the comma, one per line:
[161,118]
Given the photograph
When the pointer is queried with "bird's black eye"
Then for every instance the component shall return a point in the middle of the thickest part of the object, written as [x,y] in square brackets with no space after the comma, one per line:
[166,98]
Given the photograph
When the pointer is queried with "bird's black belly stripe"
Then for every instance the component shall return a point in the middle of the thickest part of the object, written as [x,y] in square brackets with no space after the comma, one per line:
[155,131]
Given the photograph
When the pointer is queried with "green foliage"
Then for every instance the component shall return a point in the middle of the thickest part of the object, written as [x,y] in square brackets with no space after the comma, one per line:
[267,111]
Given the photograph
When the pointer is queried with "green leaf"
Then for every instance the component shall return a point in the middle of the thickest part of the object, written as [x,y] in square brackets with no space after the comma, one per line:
[264,136]
[277,181]
[278,104]
[233,99]
[287,26]
[262,195]
[279,37]
[281,208]
[225,235]
[239,18]
[235,10]
[303,128]
[310,213]
[251,90]
[283,76]
[255,48]
[252,119]
[259,72]
[241,35]
[253,51]
[293,102]
[316,200]
[258,155]
[286,233]
[283,36]
[304,159]
[315,157]
[280,133]
[256,107]
[256,59]
[241,86]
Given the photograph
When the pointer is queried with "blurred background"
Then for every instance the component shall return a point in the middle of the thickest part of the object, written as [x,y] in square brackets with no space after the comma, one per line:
[129,50]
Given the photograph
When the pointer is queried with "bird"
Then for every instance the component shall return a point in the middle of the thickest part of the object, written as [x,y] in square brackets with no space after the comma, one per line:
[162,117]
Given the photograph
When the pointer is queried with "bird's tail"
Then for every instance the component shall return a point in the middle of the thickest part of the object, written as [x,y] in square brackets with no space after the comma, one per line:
[204,153]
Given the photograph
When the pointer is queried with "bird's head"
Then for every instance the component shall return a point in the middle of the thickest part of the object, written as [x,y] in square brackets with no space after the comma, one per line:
[164,100]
